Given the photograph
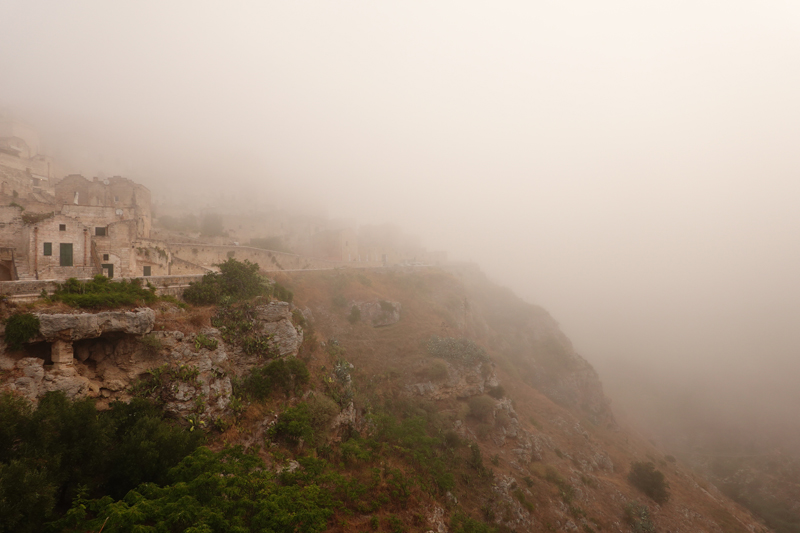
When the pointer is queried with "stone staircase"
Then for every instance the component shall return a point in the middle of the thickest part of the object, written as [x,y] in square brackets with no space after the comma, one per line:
[23,273]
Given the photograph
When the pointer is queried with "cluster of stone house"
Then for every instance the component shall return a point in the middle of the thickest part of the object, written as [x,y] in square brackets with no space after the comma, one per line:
[88,228]
[55,229]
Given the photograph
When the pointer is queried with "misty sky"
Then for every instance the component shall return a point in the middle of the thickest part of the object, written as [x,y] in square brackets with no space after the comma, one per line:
[632,166]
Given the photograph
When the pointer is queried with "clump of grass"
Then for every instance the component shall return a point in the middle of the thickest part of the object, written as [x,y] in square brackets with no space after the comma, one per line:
[151,344]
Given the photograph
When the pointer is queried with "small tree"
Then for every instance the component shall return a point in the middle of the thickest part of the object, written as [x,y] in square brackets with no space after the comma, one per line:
[650,481]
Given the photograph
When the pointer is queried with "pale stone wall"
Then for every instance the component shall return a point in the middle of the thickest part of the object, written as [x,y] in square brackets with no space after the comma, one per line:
[48,267]
[116,248]
[209,255]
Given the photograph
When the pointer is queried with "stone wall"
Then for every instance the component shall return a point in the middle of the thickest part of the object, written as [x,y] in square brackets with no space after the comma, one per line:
[209,255]
[29,290]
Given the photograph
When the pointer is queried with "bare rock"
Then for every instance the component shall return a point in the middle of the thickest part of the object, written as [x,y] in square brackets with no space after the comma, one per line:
[461,382]
[72,327]
[274,312]
[286,339]
[379,313]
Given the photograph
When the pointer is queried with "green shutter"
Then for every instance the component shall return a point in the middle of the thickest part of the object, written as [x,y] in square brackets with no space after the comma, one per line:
[48,248]
[65,250]
[147,270]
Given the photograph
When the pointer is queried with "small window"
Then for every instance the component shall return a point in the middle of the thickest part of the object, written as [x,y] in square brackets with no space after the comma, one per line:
[48,248]
[105,257]
[116,198]
[62,227]
[100,232]
[147,270]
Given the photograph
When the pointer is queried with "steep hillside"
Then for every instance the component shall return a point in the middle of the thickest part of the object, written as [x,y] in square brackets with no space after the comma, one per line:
[386,400]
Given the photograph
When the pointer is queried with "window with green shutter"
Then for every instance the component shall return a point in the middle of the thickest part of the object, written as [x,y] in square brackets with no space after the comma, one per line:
[147,270]
[48,248]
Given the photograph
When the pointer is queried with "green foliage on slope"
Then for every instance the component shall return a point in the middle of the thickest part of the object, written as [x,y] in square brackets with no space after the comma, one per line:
[102,293]
[50,454]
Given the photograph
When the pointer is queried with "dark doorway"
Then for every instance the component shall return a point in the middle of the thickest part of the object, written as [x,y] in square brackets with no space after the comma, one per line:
[108,270]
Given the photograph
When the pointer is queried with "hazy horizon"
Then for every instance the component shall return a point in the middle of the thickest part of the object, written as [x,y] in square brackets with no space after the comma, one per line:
[631,167]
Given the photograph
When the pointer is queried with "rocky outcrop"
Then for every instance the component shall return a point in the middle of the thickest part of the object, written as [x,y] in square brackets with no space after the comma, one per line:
[379,313]
[275,319]
[73,327]
[32,381]
[459,381]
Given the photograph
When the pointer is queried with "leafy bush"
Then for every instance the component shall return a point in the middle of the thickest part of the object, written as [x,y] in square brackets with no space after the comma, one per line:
[20,328]
[204,341]
[294,424]
[458,350]
[236,280]
[638,517]
[287,376]
[282,293]
[48,453]
[355,315]
[461,523]
[650,481]
[101,292]
[228,490]
[481,407]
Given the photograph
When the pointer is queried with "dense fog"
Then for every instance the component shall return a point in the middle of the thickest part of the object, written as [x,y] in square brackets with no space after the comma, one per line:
[630,166]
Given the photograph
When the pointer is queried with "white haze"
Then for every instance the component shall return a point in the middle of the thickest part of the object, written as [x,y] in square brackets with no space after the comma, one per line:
[632,166]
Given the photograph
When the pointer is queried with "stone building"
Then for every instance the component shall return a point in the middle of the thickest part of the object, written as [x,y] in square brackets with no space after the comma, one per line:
[87,228]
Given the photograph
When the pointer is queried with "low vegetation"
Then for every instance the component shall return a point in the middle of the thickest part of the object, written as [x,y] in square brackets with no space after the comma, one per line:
[286,376]
[235,281]
[62,449]
[457,350]
[102,293]
[646,478]
[20,328]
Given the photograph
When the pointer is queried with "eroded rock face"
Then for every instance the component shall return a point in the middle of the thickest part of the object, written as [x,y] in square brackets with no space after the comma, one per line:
[379,312]
[32,381]
[275,319]
[460,382]
[73,327]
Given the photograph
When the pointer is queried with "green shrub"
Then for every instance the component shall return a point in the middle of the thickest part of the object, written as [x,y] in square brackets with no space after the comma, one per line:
[355,315]
[204,341]
[20,328]
[151,343]
[481,408]
[458,350]
[282,293]
[101,292]
[650,481]
[461,523]
[638,517]
[294,424]
[287,376]
[48,453]
[236,280]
